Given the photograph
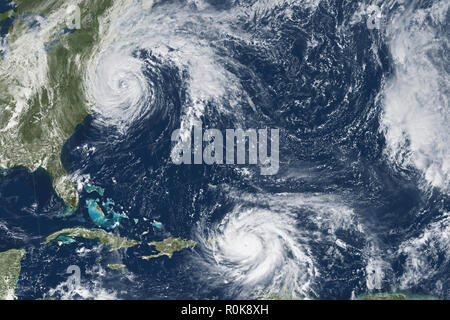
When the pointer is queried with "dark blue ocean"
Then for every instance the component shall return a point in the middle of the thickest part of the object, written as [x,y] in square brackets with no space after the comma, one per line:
[322,97]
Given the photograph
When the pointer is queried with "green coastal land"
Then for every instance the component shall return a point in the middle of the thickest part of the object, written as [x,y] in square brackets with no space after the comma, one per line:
[10,264]
[279,297]
[116,266]
[105,238]
[395,296]
[169,246]
[41,79]
[384,296]
[283,294]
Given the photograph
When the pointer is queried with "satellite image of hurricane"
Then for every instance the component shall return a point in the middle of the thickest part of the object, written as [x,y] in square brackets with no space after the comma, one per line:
[224,149]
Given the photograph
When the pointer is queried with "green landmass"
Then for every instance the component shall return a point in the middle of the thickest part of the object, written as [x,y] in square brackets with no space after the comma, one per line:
[169,246]
[395,296]
[116,266]
[384,296]
[284,295]
[279,297]
[6,15]
[108,239]
[41,80]
[9,272]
